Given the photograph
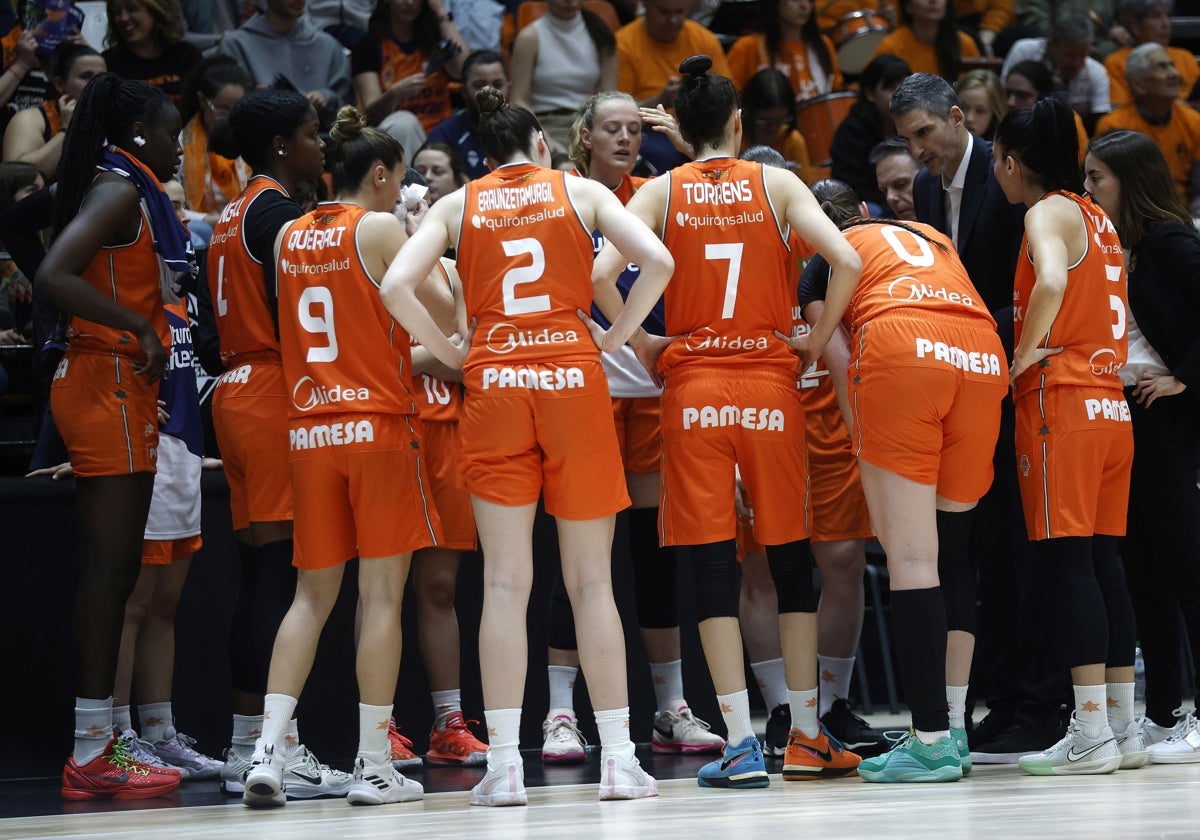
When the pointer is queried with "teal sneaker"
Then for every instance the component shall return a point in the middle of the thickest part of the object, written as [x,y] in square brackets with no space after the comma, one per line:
[741,766]
[912,761]
[959,737]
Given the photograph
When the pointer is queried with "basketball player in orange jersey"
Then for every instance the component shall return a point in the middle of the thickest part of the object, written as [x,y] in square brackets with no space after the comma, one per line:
[730,400]
[275,133]
[917,325]
[117,241]
[1074,435]
[605,140]
[358,476]
[537,419]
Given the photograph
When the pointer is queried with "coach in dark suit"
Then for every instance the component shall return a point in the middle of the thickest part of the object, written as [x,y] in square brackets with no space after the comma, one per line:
[1019,675]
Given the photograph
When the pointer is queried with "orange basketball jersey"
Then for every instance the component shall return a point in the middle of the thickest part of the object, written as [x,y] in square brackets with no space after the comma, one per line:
[235,279]
[525,257]
[1090,325]
[342,352]
[732,287]
[438,400]
[132,276]
[903,271]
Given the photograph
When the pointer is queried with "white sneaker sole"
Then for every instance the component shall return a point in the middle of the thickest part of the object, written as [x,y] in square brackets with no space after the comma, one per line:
[1097,767]
[1174,758]
[507,791]
[366,794]
[263,790]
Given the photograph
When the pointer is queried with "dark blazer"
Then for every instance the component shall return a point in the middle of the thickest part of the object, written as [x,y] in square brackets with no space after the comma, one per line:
[989,227]
[1164,297]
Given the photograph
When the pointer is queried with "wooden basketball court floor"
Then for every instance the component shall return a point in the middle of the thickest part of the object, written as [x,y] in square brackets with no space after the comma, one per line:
[995,802]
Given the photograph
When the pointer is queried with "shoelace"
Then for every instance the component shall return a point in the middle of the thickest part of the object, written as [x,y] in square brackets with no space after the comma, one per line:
[897,737]
[687,716]
[121,757]
[564,730]
[1188,720]
[187,745]
[139,750]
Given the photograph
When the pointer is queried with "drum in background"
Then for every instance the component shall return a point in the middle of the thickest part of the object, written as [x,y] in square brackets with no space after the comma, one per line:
[856,36]
[818,119]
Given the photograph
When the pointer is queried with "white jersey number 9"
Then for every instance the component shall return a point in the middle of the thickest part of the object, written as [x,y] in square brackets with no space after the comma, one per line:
[319,322]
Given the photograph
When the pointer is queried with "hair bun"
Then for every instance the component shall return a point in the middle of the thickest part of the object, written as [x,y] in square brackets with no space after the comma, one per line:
[696,65]
[489,100]
[349,124]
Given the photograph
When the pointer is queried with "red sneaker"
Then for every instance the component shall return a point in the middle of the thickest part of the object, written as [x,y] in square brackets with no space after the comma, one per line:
[115,774]
[455,744]
[403,756]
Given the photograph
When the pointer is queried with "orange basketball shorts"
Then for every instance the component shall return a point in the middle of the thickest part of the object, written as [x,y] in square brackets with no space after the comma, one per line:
[360,488]
[250,417]
[713,421]
[1074,455]
[450,497]
[107,415]
[925,396]
[166,552]
[839,507]
[638,433]
[543,429]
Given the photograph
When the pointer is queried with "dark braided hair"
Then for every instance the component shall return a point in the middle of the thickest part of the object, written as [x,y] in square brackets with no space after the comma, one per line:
[354,149]
[504,129]
[704,104]
[104,115]
[254,123]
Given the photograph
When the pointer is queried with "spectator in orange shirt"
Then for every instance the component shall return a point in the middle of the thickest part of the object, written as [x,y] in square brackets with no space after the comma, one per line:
[791,43]
[1156,112]
[984,19]
[1149,21]
[769,117]
[928,38]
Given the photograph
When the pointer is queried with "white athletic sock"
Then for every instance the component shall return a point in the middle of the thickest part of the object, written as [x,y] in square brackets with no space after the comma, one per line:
[504,736]
[277,719]
[930,738]
[292,739]
[804,711]
[668,685]
[1090,711]
[1120,706]
[956,702]
[122,722]
[246,730]
[445,703]
[735,709]
[373,722]
[835,680]
[562,687]
[613,725]
[158,722]
[771,682]
[93,728]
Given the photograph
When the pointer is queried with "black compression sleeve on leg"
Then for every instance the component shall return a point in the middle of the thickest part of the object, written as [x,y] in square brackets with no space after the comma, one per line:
[560,618]
[919,620]
[655,572]
[273,596]
[243,669]
[791,566]
[717,578]
[1083,621]
[955,574]
[1118,606]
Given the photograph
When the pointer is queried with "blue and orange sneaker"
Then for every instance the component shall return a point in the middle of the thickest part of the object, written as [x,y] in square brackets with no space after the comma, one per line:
[741,766]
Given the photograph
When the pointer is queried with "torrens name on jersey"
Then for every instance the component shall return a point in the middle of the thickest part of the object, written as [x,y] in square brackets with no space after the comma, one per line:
[314,239]
[307,394]
[331,434]
[1107,410]
[987,364]
[717,192]
[505,338]
[533,379]
[713,417]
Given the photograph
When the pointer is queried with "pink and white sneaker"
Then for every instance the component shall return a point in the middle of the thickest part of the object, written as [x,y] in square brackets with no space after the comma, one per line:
[682,732]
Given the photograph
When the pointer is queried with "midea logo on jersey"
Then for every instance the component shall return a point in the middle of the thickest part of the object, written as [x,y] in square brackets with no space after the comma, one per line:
[1104,361]
[708,339]
[505,338]
[307,394]
[918,291]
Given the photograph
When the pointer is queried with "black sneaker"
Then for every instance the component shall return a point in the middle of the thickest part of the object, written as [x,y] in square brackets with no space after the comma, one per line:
[854,732]
[1015,741]
[997,721]
[778,726]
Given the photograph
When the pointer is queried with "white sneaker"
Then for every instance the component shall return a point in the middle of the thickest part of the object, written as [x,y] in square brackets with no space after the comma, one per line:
[233,771]
[504,785]
[562,743]
[1075,754]
[380,784]
[1132,744]
[180,752]
[308,778]
[1183,747]
[622,779]
[1155,734]
[264,780]
[683,732]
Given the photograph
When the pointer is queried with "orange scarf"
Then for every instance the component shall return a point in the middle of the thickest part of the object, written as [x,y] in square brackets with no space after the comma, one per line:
[209,180]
